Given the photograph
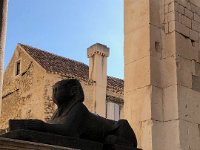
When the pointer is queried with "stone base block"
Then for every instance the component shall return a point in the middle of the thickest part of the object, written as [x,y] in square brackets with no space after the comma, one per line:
[12,144]
[58,140]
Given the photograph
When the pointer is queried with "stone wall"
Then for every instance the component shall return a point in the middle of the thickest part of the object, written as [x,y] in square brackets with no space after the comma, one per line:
[22,93]
[184,21]
[143,47]
[29,94]
[162,72]
[88,88]
[51,79]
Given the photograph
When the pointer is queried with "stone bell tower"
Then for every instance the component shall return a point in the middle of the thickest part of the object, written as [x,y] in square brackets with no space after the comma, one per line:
[162,73]
[97,55]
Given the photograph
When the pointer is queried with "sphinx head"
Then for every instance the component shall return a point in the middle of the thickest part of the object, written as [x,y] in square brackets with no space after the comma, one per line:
[67,91]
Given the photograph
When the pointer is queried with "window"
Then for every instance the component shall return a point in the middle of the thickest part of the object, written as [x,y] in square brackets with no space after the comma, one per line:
[17,69]
[113,111]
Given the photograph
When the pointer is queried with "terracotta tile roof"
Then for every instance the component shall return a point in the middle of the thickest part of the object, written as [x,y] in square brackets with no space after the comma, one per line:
[115,82]
[61,65]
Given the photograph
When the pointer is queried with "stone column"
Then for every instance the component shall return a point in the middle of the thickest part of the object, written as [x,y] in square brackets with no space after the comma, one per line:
[97,55]
[162,79]
[3,21]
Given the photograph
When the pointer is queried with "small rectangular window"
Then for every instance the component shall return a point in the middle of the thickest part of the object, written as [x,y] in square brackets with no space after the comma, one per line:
[113,111]
[17,70]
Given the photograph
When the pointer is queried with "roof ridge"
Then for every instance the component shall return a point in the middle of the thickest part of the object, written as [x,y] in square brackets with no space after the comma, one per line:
[115,78]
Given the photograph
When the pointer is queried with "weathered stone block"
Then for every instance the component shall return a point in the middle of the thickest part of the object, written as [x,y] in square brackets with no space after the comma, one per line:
[166,7]
[155,42]
[173,6]
[186,21]
[149,104]
[196,17]
[155,12]
[166,135]
[135,48]
[170,103]
[195,2]
[189,104]
[172,26]
[182,28]
[194,8]
[135,9]
[196,26]
[158,134]
[143,132]
[178,17]
[197,53]
[171,16]
[188,13]
[141,111]
[189,132]
[169,45]
[166,28]
[185,47]
[168,72]
[188,6]
[180,9]
[196,68]
[196,83]
[182,2]
[156,69]
[178,27]
[139,116]
[184,72]
[138,74]
[168,1]
[171,136]
[194,35]
[157,104]
[146,135]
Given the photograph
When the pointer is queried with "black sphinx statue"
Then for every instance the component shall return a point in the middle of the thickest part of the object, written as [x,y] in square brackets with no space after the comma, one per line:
[73,120]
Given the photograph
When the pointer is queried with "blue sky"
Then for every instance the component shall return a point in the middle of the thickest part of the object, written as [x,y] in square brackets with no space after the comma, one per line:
[68,28]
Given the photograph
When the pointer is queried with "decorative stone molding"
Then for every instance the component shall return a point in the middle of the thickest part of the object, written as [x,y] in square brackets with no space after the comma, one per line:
[98,48]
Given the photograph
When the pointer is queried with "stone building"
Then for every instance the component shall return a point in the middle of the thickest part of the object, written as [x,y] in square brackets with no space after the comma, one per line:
[31,72]
[162,72]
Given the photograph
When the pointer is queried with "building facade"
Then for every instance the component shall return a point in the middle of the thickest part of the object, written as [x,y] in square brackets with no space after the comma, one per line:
[31,73]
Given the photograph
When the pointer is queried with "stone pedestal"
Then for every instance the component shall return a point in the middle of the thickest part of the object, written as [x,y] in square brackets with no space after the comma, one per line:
[20,138]
[12,144]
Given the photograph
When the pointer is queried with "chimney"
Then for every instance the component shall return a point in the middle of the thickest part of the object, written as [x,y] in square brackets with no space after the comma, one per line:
[97,55]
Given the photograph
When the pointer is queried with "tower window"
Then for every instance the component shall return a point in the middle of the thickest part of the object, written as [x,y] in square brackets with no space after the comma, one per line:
[17,70]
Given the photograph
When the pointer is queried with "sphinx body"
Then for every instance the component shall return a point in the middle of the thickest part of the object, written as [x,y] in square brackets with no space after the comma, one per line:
[73,119]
